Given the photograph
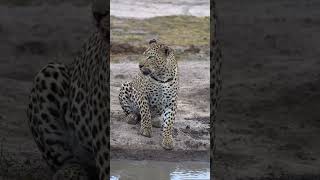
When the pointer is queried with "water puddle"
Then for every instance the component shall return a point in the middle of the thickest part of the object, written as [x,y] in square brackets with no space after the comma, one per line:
[152,8]
[159,170]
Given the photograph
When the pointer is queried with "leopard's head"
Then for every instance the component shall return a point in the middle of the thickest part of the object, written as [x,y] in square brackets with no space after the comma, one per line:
[158,62]
[100,12]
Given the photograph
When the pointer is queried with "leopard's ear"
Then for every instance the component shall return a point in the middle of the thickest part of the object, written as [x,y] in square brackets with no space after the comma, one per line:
[167,50]
[100,9]
[152,41]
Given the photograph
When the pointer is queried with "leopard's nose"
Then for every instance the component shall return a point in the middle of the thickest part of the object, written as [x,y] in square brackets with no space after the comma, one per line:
[140,65]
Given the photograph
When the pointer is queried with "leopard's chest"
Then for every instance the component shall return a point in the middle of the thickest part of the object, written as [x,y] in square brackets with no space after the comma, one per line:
[161,94]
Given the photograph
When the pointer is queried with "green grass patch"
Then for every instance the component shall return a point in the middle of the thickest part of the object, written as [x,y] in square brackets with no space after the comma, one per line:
[173,30]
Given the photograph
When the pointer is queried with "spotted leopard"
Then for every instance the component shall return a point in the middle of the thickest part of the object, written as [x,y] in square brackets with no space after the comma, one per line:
[68,113]
[215,82]
[153,92]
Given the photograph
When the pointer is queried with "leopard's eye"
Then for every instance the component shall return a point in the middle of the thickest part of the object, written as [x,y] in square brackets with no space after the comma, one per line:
[151,57]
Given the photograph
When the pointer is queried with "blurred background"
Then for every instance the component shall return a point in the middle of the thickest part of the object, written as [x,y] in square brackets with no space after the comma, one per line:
[32,34]
[268,125]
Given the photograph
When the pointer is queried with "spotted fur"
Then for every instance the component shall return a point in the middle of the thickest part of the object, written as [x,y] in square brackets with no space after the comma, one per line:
[68,113]
[153,92]
[215,81]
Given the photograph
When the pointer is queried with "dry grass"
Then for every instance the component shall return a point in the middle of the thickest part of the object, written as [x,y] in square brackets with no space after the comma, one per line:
[173,30]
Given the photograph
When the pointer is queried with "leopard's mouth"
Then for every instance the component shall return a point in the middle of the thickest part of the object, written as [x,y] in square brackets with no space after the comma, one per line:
[145,71]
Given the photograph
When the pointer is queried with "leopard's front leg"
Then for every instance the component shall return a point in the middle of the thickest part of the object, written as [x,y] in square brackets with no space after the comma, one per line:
[167,128]
[146,124]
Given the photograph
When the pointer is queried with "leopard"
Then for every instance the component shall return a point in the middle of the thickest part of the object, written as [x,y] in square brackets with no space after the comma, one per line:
[215,82]
[151,96]
[68,109]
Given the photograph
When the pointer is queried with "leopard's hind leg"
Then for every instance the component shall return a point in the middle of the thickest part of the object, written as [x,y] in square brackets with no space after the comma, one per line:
[127,104]
[46,113]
